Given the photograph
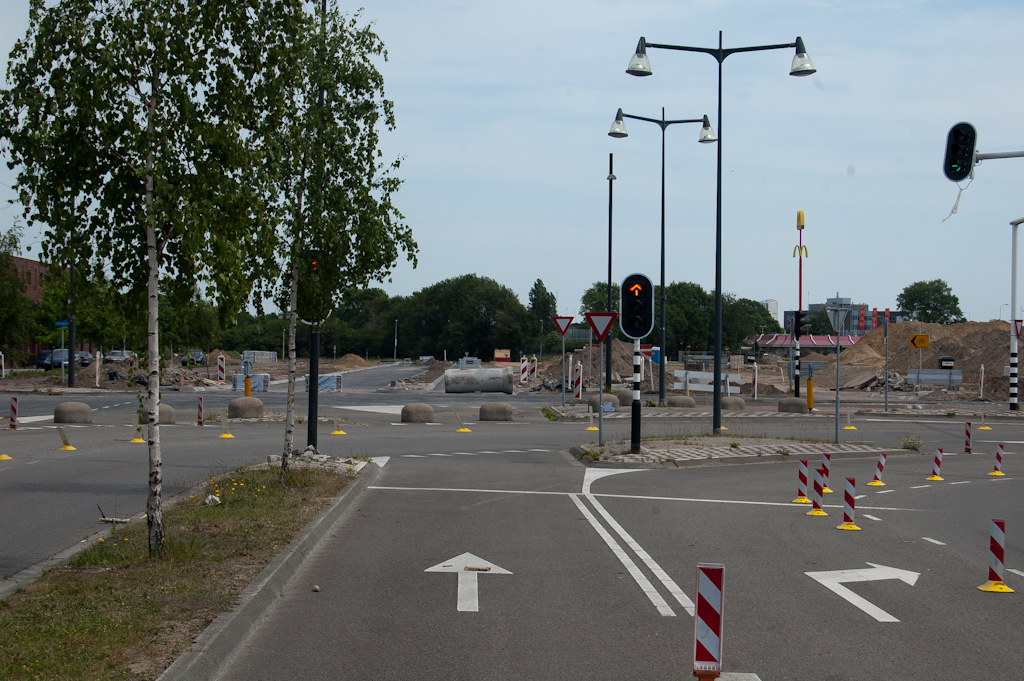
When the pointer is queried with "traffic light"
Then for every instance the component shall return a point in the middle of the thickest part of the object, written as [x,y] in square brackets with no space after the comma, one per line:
[636,306]
[313,258]
[959,161]
[799,320]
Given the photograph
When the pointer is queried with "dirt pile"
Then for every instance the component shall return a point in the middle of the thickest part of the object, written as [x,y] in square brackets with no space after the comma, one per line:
[345,363]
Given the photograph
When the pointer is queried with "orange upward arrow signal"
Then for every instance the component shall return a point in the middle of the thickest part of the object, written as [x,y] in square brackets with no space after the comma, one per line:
[636,289]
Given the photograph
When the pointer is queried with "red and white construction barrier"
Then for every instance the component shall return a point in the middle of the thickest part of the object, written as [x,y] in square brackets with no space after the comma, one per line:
[967,437]
[14,413]
[200,421]
[708,620]
[533,367]
[879,469]
[826,464]
[849,506]
[524,370]
[936,467]
[801,484]
[577,381]
[998,468]
[996,542]
[817,499]
[220,367]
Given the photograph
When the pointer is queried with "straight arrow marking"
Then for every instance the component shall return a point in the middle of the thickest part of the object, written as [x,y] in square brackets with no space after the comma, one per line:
[833,581]
[468,566]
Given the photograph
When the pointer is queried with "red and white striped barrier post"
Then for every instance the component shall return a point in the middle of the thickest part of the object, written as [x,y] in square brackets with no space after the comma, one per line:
[849,506]
[936,467]
[533,366]
[708,620]
[998,468]
[801,484]
[996,542]
[200,421]
[816,499]
[14,413]
[577,382]
[826,464]
[524,370]
[879,469]
[967,437]
[220,367]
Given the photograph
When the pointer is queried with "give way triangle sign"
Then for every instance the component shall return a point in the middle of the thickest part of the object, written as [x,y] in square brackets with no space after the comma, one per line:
[601,322]
[563,323]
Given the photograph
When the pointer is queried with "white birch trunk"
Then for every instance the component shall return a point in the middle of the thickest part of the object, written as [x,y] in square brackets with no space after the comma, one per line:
[154,503]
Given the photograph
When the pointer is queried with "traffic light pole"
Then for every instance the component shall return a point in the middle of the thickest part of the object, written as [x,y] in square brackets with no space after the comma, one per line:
[634,437]
[314,384]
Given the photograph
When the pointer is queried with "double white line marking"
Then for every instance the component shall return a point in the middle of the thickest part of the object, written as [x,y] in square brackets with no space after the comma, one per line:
[645,584]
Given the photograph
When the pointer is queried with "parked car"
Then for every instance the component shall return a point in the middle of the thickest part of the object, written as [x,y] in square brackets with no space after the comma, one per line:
[192,357]
[43,359]
[56,358]
[126,357]
[83,358]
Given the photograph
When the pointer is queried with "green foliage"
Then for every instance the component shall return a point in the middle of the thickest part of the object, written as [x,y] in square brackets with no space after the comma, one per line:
[931,302]
[912,442]
[819,325]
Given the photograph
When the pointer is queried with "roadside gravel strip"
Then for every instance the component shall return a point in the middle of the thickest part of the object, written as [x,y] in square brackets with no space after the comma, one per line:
[214,647]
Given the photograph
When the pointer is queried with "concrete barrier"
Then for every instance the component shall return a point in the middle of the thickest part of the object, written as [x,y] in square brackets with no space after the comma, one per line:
[626,398]
[682,401]
[795,405]
[417,412]
[496,411]
[479,380]
[72,412]
[245,408]
[166,414]
[733,403]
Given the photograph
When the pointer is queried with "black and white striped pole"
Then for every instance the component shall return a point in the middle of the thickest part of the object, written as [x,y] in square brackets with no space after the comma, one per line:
[636,302]
[1015,329]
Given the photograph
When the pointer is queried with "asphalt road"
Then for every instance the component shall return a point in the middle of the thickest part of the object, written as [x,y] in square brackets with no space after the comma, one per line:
[602,566]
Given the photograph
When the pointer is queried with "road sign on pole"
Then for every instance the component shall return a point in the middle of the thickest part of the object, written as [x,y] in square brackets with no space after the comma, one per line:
[563,324]
[919,341]
[601,323]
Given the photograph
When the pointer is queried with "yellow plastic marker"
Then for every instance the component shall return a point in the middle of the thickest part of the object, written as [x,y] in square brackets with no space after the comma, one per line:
[4,457]
[224,422]
[337,429]
[64,438]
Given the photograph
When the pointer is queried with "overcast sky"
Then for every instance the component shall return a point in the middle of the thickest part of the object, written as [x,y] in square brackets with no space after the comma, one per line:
[503,111]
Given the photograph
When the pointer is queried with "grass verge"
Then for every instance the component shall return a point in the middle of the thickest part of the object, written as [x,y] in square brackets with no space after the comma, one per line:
[112,612]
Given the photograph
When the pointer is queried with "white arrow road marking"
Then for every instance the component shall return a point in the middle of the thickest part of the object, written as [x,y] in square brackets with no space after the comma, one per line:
[381,460]
[833,581]
[934,541]
[468,566]
[593,474]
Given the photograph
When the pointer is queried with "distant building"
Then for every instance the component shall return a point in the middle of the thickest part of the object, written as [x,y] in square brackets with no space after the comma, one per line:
[773,308]
[860,320]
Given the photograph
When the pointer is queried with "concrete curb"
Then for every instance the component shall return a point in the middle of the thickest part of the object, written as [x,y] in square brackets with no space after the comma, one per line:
[582,454]
[214,647]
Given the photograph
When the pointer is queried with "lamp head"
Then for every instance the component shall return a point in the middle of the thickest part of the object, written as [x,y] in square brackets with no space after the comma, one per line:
[639,65]
[618,127]
[802,64]
[707,133]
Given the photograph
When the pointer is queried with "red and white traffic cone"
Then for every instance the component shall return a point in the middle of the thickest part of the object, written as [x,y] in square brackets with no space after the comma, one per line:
[221,370]
[819,477]
[967,437]
[879,469]
[849,506]
[200,421]
[14,413]
[826,464]
[801,485]
[533,367]
[936,467]
[998,468]
[524,370]
[577,382]
[996,542]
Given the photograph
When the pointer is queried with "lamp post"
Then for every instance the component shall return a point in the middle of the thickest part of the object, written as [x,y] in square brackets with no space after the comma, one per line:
[640,65]
[608,348]
[707,135]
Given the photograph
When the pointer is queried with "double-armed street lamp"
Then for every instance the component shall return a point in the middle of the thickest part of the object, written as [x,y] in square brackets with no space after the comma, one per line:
[640,65]
[707,135]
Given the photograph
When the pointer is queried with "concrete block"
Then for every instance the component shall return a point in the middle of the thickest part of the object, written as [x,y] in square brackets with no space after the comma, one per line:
[682,401]
[795,405]
[245,408]
[733,403]
[496,411]
[417,412]
[72,412]
[166,414]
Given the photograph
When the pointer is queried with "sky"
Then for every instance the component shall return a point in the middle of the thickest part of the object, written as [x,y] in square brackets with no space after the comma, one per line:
[503,111]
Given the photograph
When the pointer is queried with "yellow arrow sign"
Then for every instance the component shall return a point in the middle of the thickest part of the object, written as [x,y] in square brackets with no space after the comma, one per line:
[919,341]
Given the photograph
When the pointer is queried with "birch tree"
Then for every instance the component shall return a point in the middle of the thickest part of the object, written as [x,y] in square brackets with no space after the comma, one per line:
[332,183]
[130,124]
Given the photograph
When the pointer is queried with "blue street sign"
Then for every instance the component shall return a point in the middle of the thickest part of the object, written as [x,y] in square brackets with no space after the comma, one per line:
[60,323]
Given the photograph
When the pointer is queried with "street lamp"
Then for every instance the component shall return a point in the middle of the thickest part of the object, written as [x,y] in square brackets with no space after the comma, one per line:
[640,65]
[707,135]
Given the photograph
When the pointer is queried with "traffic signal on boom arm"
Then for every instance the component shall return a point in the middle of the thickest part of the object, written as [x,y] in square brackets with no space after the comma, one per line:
[636,306]
[959,162]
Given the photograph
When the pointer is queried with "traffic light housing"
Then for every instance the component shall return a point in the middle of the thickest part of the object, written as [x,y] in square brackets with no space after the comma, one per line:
[313,256]
[959,162]
[799,321]
[636,306]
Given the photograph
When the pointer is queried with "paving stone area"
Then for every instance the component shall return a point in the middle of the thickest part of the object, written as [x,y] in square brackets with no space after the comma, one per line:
[655,453]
